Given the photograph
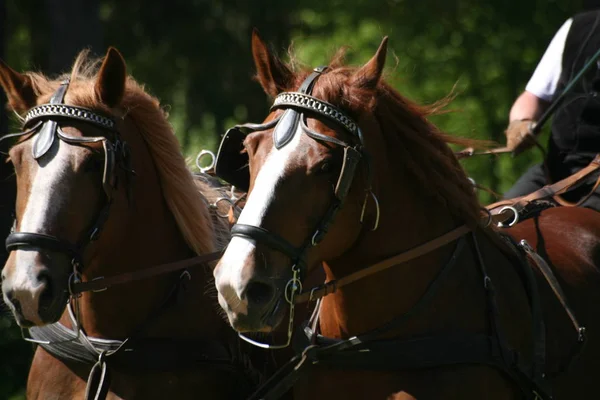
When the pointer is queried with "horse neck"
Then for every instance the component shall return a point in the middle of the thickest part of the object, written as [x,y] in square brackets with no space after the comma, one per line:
[138,234]
[410,216]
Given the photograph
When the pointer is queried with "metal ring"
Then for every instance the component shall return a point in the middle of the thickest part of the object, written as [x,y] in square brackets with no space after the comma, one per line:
[377,209]
[215,206]
[212,161]
[515,217]
[75,277]
[297,287]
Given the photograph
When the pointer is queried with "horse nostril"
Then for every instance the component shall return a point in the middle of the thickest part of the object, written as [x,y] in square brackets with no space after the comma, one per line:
[259,292]
[48,293]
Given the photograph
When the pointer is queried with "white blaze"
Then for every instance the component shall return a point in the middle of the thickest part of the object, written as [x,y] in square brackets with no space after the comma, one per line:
[240,251]
[43,201]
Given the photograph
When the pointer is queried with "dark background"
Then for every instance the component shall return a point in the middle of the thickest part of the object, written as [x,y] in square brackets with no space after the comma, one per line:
[195,56]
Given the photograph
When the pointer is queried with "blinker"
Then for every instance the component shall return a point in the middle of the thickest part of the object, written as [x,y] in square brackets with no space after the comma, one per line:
[45,138]
[288,124]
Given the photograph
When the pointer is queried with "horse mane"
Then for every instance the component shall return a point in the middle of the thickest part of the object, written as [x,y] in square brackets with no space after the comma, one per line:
[411,135]
[185,197]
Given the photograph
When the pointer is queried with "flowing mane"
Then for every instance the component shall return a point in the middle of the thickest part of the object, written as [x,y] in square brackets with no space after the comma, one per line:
[185,197]
[406,126]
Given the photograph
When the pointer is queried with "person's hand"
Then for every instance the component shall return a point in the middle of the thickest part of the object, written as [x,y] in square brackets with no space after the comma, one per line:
[519,136]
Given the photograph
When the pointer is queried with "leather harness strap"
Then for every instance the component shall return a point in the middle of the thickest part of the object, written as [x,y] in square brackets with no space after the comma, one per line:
[550,278]
[415,252]
[500,214]
[470,151]
[102,283]
[369,352]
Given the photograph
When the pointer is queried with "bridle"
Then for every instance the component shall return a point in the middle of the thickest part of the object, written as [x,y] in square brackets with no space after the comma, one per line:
[42,123]
[232,166]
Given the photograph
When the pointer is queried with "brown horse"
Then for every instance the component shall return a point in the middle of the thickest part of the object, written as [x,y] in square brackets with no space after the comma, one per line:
[310,162]
[103,155]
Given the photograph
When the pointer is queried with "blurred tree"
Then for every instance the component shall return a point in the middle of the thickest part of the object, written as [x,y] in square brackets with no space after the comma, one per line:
[195,55]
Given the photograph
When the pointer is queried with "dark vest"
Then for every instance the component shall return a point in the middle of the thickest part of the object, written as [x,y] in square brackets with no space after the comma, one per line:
[575,138]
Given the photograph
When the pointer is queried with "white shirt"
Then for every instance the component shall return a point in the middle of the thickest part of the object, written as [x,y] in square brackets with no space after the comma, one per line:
[545,78]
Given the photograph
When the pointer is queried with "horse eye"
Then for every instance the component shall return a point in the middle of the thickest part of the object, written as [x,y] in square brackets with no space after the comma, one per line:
[326,167]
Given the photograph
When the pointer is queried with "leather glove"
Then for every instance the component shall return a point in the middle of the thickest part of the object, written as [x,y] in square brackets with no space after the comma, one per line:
[519,136]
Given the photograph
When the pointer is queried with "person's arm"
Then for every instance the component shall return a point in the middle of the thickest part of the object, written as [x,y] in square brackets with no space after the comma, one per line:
[538,94]
[527,107]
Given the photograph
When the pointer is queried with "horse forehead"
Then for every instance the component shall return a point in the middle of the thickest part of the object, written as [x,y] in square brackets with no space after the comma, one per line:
[52,168]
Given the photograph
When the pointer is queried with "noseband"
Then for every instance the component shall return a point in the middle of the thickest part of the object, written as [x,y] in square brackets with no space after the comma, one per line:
[42,123]
[232,166]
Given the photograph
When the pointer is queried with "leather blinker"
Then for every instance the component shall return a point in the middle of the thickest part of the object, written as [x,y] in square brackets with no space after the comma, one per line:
[45,138]
[286,128]
[288,124]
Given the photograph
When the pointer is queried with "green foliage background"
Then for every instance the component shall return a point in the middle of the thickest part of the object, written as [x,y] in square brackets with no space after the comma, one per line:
[195,56]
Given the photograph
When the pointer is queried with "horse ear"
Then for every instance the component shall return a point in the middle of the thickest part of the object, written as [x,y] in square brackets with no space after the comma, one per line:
[368,75]
[18,88]
[274,76]
[110,85]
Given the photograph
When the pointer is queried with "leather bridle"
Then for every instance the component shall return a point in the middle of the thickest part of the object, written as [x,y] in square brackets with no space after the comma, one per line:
[296,104]
[42,123]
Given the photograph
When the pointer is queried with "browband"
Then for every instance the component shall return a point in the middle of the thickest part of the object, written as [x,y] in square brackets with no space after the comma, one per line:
[310,103]
[46,111]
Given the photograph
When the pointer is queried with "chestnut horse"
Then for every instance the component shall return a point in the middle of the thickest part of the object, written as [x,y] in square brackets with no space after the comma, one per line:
[314,175]
[102,155]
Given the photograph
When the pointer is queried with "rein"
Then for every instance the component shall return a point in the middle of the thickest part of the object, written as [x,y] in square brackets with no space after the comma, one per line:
[102,283]
[416,252]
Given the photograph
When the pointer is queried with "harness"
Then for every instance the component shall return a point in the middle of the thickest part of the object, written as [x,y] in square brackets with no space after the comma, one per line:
[231,165]
[368,351]
[74,345]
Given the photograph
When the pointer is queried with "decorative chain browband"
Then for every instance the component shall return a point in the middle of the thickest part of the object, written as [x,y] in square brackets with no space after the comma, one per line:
[296,99]
[61,110]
